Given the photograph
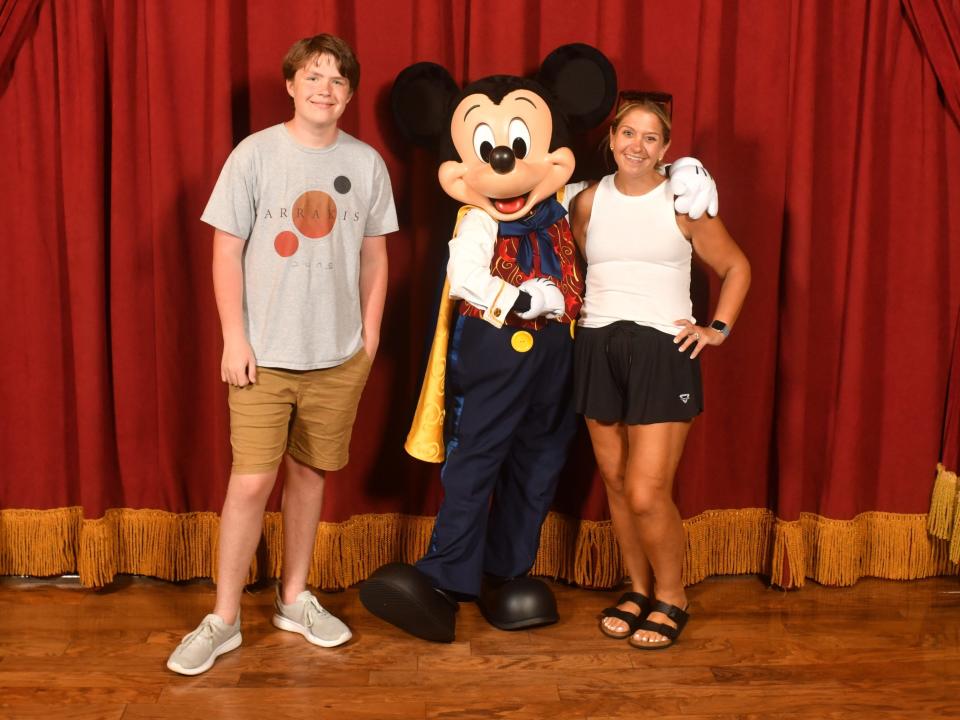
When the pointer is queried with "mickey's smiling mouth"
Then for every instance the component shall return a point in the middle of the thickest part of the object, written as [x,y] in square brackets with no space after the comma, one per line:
[508,206]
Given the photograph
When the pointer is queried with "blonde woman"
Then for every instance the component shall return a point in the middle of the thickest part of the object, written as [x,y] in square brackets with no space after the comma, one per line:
[637,370]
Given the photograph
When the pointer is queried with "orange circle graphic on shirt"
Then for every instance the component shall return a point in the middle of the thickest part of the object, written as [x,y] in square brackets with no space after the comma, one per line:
[314,213]
[286,244]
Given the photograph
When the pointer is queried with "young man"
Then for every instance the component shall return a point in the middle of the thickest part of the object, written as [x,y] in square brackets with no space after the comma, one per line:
[300,274]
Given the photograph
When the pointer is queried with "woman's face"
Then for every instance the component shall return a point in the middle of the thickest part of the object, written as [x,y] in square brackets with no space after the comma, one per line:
[638,143]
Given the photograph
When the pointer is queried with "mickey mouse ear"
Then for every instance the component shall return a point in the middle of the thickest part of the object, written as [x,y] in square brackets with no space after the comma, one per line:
[419,99]
[583,82]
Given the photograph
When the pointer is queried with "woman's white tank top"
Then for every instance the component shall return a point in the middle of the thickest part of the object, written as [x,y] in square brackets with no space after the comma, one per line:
[638,261]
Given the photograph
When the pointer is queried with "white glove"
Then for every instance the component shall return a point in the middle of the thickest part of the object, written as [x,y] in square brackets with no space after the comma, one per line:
[536,300]
[545,299]
[695,190]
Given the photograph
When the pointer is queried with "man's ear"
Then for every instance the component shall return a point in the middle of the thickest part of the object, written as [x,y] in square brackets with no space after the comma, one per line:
[420,100]
[583,82]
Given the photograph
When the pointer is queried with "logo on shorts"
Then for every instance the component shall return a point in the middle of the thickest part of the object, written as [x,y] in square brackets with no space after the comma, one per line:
[684,397]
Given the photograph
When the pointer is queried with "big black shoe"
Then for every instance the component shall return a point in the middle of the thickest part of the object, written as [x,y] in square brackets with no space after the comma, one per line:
[405,597]
[517,603]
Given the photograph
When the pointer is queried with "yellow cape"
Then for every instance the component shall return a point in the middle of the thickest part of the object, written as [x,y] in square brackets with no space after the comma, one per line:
[425,439]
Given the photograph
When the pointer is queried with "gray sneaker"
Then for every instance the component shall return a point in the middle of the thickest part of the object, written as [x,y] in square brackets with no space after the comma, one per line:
[198,650]
[307,617]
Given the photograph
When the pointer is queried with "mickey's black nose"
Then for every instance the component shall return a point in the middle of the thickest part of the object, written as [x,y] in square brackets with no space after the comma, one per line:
[502,159]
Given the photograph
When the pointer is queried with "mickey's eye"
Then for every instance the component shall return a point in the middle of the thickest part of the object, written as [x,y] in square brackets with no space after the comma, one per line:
[519,136]
[483,141]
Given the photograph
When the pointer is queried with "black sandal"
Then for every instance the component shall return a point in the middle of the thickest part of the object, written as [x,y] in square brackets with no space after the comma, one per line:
[633,621]
[678,615]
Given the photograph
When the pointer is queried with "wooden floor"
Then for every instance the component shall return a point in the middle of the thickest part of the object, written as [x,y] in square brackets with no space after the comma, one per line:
[881,649]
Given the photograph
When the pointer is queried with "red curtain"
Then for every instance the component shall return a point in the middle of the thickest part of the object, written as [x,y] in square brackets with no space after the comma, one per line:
[822,122]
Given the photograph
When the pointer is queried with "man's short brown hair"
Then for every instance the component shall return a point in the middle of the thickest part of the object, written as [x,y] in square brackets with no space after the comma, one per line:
[305,50]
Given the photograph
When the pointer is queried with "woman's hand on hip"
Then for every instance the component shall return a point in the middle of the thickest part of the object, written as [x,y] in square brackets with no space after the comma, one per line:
[697,335]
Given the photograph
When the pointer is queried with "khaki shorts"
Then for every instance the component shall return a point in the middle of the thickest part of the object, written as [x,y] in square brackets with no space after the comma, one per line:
[306,413]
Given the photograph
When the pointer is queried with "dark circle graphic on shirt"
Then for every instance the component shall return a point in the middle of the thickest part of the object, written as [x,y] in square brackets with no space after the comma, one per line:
[342,184]
[286,243]
[314,213]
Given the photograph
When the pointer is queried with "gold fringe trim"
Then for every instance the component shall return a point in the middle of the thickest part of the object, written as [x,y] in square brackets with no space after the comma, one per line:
[840,552]
[97,554]
[182,546]
[727,542]
[788,561]
[955,540]
[944,505]
[346,553]
[39,542]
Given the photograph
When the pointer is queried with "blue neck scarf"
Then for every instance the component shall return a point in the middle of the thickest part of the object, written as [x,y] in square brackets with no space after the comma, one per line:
[546,214]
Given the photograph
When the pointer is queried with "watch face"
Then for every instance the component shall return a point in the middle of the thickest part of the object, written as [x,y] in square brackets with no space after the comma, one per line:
[720,326]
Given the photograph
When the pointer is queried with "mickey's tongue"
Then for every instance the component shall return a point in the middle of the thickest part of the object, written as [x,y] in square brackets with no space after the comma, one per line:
[508,206]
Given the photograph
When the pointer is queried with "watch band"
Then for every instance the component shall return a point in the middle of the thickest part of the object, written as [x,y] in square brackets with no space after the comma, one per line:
[721,327]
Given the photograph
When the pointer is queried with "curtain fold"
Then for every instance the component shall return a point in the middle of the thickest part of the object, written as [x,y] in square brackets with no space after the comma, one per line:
[16,18]
[937,25]
[836,159]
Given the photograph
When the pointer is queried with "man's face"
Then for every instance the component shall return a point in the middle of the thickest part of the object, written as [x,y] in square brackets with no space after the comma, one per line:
[320,93]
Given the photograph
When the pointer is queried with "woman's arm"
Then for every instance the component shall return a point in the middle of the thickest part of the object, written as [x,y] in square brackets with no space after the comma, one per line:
[714,245]
[580,217]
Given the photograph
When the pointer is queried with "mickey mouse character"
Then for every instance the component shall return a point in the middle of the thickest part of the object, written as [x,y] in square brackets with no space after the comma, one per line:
[504,366]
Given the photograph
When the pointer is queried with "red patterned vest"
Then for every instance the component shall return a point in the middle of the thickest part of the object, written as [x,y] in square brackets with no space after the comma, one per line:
[504,265]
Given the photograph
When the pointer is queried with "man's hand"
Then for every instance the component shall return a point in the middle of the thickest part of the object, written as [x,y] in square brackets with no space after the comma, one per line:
[238,366]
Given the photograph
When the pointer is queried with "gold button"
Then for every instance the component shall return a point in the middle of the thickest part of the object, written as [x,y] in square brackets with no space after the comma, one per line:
[521,341]
[496,312]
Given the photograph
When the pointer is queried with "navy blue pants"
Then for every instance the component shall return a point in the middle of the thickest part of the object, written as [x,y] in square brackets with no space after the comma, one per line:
[510,421]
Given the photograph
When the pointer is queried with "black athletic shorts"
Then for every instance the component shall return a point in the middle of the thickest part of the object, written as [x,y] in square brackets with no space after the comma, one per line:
[634,374]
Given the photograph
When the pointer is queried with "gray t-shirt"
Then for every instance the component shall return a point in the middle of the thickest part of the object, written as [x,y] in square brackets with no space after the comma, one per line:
[304,213]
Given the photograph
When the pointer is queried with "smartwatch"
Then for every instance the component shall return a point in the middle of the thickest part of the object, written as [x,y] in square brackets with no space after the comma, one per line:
[721,327]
